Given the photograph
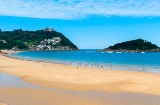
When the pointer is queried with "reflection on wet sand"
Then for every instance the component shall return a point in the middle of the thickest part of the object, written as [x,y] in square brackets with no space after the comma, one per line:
[18,88]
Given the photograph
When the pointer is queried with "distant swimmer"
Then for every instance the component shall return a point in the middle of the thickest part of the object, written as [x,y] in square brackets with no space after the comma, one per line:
[102,66]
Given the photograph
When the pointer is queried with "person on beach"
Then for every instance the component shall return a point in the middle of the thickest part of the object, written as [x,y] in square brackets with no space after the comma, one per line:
[101,66]
[92,65]
[145,69]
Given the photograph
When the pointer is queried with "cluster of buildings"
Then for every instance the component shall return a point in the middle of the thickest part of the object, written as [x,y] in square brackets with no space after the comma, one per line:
[47,44]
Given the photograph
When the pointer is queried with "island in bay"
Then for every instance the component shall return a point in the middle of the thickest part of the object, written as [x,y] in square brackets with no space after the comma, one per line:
[44,39]
[137,45]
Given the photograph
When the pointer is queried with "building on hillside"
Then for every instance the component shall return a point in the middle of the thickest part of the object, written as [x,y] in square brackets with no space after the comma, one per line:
[49,44]
[3,41]
[48,29]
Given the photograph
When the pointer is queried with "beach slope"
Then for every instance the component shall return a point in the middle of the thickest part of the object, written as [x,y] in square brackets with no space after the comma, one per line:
[82,78]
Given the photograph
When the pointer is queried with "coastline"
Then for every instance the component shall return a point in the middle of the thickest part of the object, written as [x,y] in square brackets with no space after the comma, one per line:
[70,78]
[86,58]
[81,78]
[9,51]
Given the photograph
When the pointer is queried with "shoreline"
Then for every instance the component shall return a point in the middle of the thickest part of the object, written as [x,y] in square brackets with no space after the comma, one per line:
[10,51]
[80,86]
[109,66]
[71,77]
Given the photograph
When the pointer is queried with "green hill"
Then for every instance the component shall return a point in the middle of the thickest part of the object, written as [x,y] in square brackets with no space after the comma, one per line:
[31,39]
[138,44]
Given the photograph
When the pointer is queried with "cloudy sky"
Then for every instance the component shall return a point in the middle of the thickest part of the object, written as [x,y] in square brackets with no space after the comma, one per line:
[87,23]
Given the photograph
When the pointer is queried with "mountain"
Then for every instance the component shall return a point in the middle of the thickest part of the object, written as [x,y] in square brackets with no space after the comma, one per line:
[45,39]
[138,45]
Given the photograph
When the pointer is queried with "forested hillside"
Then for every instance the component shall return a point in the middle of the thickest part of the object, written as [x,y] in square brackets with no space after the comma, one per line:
[23,39]
[138,44]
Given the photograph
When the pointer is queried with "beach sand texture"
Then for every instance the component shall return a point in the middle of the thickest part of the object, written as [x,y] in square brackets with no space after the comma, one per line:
[1,103]
[70,78]
[83,78]
[21,96]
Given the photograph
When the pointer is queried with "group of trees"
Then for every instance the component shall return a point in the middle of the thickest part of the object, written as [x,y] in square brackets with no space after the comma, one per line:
[21,39]
[138,44]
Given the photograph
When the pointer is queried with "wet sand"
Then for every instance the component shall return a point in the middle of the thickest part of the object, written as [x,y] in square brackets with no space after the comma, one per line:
[15,91]
[1,103]
[28,96]
[13,88]
[68,78]
[31,96]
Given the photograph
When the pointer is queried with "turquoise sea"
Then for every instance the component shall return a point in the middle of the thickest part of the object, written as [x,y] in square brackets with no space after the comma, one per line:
[137,61]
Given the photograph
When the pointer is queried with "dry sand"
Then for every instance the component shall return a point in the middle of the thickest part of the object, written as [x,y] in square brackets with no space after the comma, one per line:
[70,78]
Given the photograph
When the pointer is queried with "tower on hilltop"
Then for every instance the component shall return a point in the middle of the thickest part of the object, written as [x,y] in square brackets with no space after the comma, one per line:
[48,29]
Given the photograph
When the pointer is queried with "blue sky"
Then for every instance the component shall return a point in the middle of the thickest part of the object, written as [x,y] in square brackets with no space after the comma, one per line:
[87,23]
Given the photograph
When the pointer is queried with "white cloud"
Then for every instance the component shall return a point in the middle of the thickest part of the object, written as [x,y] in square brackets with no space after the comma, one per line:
[77,9]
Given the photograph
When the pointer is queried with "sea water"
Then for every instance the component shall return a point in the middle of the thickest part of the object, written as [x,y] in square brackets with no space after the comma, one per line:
[137,61]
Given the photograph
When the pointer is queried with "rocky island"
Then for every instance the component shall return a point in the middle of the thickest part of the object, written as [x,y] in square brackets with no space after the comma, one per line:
[137,45]
[44,39]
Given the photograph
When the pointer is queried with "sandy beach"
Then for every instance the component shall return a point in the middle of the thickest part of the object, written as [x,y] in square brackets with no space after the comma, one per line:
[1,103]
[68,77]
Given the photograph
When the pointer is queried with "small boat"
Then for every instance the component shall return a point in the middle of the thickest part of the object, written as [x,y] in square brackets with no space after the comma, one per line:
[142,52]
[88,51]
[118,52]
[110,52]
